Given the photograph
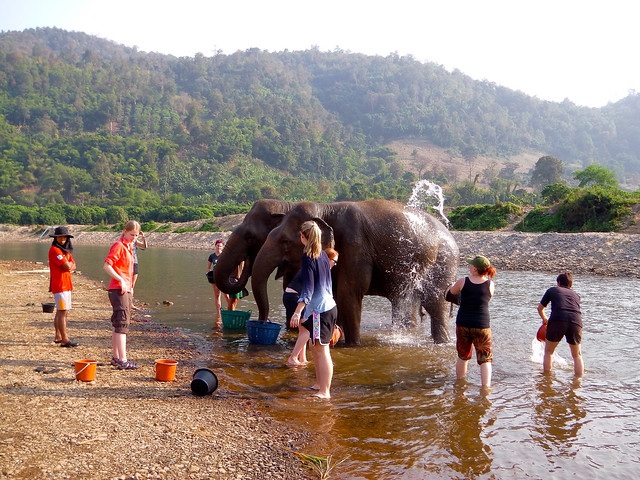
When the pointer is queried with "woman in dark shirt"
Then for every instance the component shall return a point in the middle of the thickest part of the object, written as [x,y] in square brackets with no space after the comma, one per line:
[472,323]
[565,321]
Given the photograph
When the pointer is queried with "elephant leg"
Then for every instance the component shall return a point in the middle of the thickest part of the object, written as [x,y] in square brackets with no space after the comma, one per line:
[349,316]
[438,310]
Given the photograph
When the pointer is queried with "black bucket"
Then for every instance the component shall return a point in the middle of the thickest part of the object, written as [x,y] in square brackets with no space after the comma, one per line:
[204,382]
[48,307]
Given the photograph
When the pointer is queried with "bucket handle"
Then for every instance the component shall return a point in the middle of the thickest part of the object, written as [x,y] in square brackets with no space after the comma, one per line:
[82,369]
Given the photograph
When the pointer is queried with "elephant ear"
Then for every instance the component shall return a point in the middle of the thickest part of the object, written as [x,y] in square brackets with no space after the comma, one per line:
[328,241]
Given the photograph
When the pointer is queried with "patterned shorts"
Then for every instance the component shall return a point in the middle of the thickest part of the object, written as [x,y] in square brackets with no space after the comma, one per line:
[480,338]
[327,322]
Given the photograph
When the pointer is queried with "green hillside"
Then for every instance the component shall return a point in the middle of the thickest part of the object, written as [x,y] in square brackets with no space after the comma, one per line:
[84,121]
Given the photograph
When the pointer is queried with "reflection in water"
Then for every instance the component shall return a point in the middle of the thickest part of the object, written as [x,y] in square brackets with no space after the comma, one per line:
[396,409]
[467,420]
[558,416]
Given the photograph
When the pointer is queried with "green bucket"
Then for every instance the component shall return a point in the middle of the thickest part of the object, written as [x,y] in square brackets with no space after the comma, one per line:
[235,319]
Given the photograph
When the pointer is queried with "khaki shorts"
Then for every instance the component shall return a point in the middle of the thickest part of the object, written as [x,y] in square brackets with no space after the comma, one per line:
[480,338]
[121,317]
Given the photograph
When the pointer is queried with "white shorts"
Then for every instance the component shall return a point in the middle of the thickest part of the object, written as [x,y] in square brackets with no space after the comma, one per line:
[63,300]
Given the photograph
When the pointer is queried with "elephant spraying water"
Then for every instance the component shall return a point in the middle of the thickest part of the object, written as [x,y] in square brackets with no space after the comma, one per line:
[404,255]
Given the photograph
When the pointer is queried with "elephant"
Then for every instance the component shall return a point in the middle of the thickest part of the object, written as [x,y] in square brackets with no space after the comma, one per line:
[245,241]
[405,255]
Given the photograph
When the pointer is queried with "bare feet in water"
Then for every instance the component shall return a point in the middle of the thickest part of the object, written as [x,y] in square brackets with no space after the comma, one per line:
[294,362]
[323,396]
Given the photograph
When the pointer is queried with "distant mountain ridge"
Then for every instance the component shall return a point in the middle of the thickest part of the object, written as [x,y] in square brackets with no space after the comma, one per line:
[163,124]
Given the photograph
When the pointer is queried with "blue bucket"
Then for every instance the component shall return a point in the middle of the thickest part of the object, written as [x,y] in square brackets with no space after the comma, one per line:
[263,333]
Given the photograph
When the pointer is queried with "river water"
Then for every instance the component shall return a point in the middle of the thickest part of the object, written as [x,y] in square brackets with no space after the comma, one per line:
[396,409]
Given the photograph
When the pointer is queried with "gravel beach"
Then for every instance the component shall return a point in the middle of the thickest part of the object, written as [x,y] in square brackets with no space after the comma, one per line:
[125,424]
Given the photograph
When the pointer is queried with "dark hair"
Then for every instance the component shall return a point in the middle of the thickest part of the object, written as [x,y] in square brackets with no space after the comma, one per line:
[565,279]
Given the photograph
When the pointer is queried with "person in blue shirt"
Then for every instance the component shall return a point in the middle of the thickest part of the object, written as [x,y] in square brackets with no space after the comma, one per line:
[290,300]
[318,306]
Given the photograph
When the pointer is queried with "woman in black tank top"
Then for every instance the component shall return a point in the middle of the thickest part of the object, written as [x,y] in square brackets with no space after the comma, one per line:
[473,327]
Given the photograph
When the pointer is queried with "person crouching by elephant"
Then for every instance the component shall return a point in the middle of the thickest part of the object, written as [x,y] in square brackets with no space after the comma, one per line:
[232,298]
[473,321]
[317,302]
[290,300]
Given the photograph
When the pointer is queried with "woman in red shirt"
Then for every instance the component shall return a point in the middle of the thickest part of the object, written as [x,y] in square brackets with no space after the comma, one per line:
[61,264]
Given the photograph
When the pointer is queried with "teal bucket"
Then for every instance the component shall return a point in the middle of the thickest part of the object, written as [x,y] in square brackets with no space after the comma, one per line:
[263,333]
[234,319]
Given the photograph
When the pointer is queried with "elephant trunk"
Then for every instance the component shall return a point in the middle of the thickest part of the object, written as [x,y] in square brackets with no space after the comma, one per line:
[259,279]
[226,275]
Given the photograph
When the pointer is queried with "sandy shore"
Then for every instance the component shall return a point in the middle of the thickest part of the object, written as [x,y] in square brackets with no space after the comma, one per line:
[125,424]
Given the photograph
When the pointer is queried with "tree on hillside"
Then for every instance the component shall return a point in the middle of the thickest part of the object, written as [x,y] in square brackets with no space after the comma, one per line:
[547,170]
[595,175]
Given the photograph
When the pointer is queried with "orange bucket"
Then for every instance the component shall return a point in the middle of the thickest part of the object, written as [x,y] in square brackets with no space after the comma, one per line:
[86,370]
[165,370]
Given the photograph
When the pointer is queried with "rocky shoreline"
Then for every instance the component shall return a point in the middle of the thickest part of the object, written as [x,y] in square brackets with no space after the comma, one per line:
[608,254]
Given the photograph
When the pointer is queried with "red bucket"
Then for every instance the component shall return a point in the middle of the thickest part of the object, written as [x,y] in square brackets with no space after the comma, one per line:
[542,333]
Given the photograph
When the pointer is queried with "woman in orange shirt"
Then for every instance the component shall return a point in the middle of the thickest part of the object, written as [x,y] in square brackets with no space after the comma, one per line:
[119,266]
[61,264]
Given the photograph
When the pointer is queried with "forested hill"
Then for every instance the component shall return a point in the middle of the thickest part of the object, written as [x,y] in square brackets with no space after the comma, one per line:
[84,120]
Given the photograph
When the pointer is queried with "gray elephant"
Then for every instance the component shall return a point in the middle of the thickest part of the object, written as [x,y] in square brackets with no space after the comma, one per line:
[404,255]
[245,242]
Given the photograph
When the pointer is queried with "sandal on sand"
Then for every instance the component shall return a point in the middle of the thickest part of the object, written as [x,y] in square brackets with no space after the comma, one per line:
[128,365]
[69,344]
[115,362]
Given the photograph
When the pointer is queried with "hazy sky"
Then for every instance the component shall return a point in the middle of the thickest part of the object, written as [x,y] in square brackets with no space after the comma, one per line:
[584,50]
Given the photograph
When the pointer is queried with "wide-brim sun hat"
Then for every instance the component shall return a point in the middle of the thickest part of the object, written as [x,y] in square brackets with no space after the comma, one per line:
[61,232]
